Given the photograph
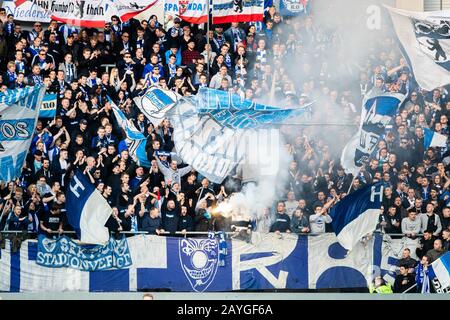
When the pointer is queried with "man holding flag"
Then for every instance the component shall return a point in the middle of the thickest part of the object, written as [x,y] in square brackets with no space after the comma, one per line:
[87,210]
[357,215]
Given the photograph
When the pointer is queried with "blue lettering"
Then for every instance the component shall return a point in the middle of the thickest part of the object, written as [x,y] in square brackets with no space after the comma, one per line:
[9,169]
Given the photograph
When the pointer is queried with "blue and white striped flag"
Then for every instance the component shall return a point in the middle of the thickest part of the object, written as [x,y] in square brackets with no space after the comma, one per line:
[441,268]
[135,139]
[357,215]
[19,111]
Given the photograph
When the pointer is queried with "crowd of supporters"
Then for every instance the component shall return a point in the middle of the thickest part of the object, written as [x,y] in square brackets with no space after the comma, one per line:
[286,58]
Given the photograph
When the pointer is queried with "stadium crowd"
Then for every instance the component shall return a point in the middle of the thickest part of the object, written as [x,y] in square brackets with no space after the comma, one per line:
[250,59]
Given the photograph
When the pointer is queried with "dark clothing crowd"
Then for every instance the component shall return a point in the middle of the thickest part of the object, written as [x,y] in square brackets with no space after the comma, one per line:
[282,59]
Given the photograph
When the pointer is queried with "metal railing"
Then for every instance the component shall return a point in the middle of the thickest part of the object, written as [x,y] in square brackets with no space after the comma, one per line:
[187,233]
[108,66]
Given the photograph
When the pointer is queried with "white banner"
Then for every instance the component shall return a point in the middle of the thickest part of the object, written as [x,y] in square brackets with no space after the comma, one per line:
[26,11]
[192,11]
[226,11]
[425,39]
[93,13]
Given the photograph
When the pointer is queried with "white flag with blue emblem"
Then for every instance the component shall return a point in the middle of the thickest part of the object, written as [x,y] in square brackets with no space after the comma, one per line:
[155,103]
[19,111]
[425,41]
[87,210]
[433,139]
[357,215]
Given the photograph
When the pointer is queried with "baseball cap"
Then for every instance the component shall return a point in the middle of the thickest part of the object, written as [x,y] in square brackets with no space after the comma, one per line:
[83,121]
[177,20]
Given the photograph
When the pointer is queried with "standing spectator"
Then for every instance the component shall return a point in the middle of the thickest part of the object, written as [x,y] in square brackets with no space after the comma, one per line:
[411,225]
[321,217]
[431,221]
[282,222]
[404,281]
[436,252]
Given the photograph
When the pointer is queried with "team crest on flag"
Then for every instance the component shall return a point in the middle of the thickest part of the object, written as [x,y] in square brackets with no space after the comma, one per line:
[199,260]
[183,5]
[425,42]
[434,40]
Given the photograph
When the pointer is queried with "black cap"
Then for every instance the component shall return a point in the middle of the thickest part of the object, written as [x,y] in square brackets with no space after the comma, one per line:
[83,121]
[177,20]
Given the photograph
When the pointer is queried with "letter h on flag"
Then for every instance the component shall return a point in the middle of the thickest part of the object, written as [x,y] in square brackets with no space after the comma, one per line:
[87,210]
[357,214]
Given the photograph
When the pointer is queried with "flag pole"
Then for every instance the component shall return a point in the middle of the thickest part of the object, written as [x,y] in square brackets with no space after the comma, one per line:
[207,38]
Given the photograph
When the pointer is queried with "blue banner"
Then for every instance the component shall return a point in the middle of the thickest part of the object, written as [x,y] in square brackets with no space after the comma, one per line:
[48,106]
[64,252]
[194,265]
[294,7]
[231,111]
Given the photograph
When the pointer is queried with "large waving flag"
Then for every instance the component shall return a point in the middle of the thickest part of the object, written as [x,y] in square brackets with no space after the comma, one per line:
[135,139]
[425,40]
[433,139]
[226,11]
[19,111]
[87,210]
[357,214]
[192,11]
[441,268]
[377,112]
[93,13]
[229,110]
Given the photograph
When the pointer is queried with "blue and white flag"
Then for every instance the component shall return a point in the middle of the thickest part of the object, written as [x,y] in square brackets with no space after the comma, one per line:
[357,215]
[48,107]
[193,265]
[231,111]
[294,7]
[65,252]
[441,268]
[425,41]
[433,139]
[87,210]
[19,111]
[135,139]
[377,112]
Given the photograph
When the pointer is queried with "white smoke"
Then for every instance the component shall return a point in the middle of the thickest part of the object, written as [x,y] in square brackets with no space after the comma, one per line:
[263,186]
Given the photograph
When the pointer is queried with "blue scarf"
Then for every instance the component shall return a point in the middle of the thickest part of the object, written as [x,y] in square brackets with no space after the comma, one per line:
[223,248]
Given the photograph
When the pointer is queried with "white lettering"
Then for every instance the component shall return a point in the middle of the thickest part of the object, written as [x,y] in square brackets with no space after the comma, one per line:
[77,185]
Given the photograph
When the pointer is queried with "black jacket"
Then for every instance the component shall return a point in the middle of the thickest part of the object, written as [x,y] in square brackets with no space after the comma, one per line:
[150,224]
[402,283]
[282,223]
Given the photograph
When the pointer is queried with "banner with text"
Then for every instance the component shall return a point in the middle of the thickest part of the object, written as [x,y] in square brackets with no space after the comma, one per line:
[266,262]
[192,11]
[19,111]
[64,252]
